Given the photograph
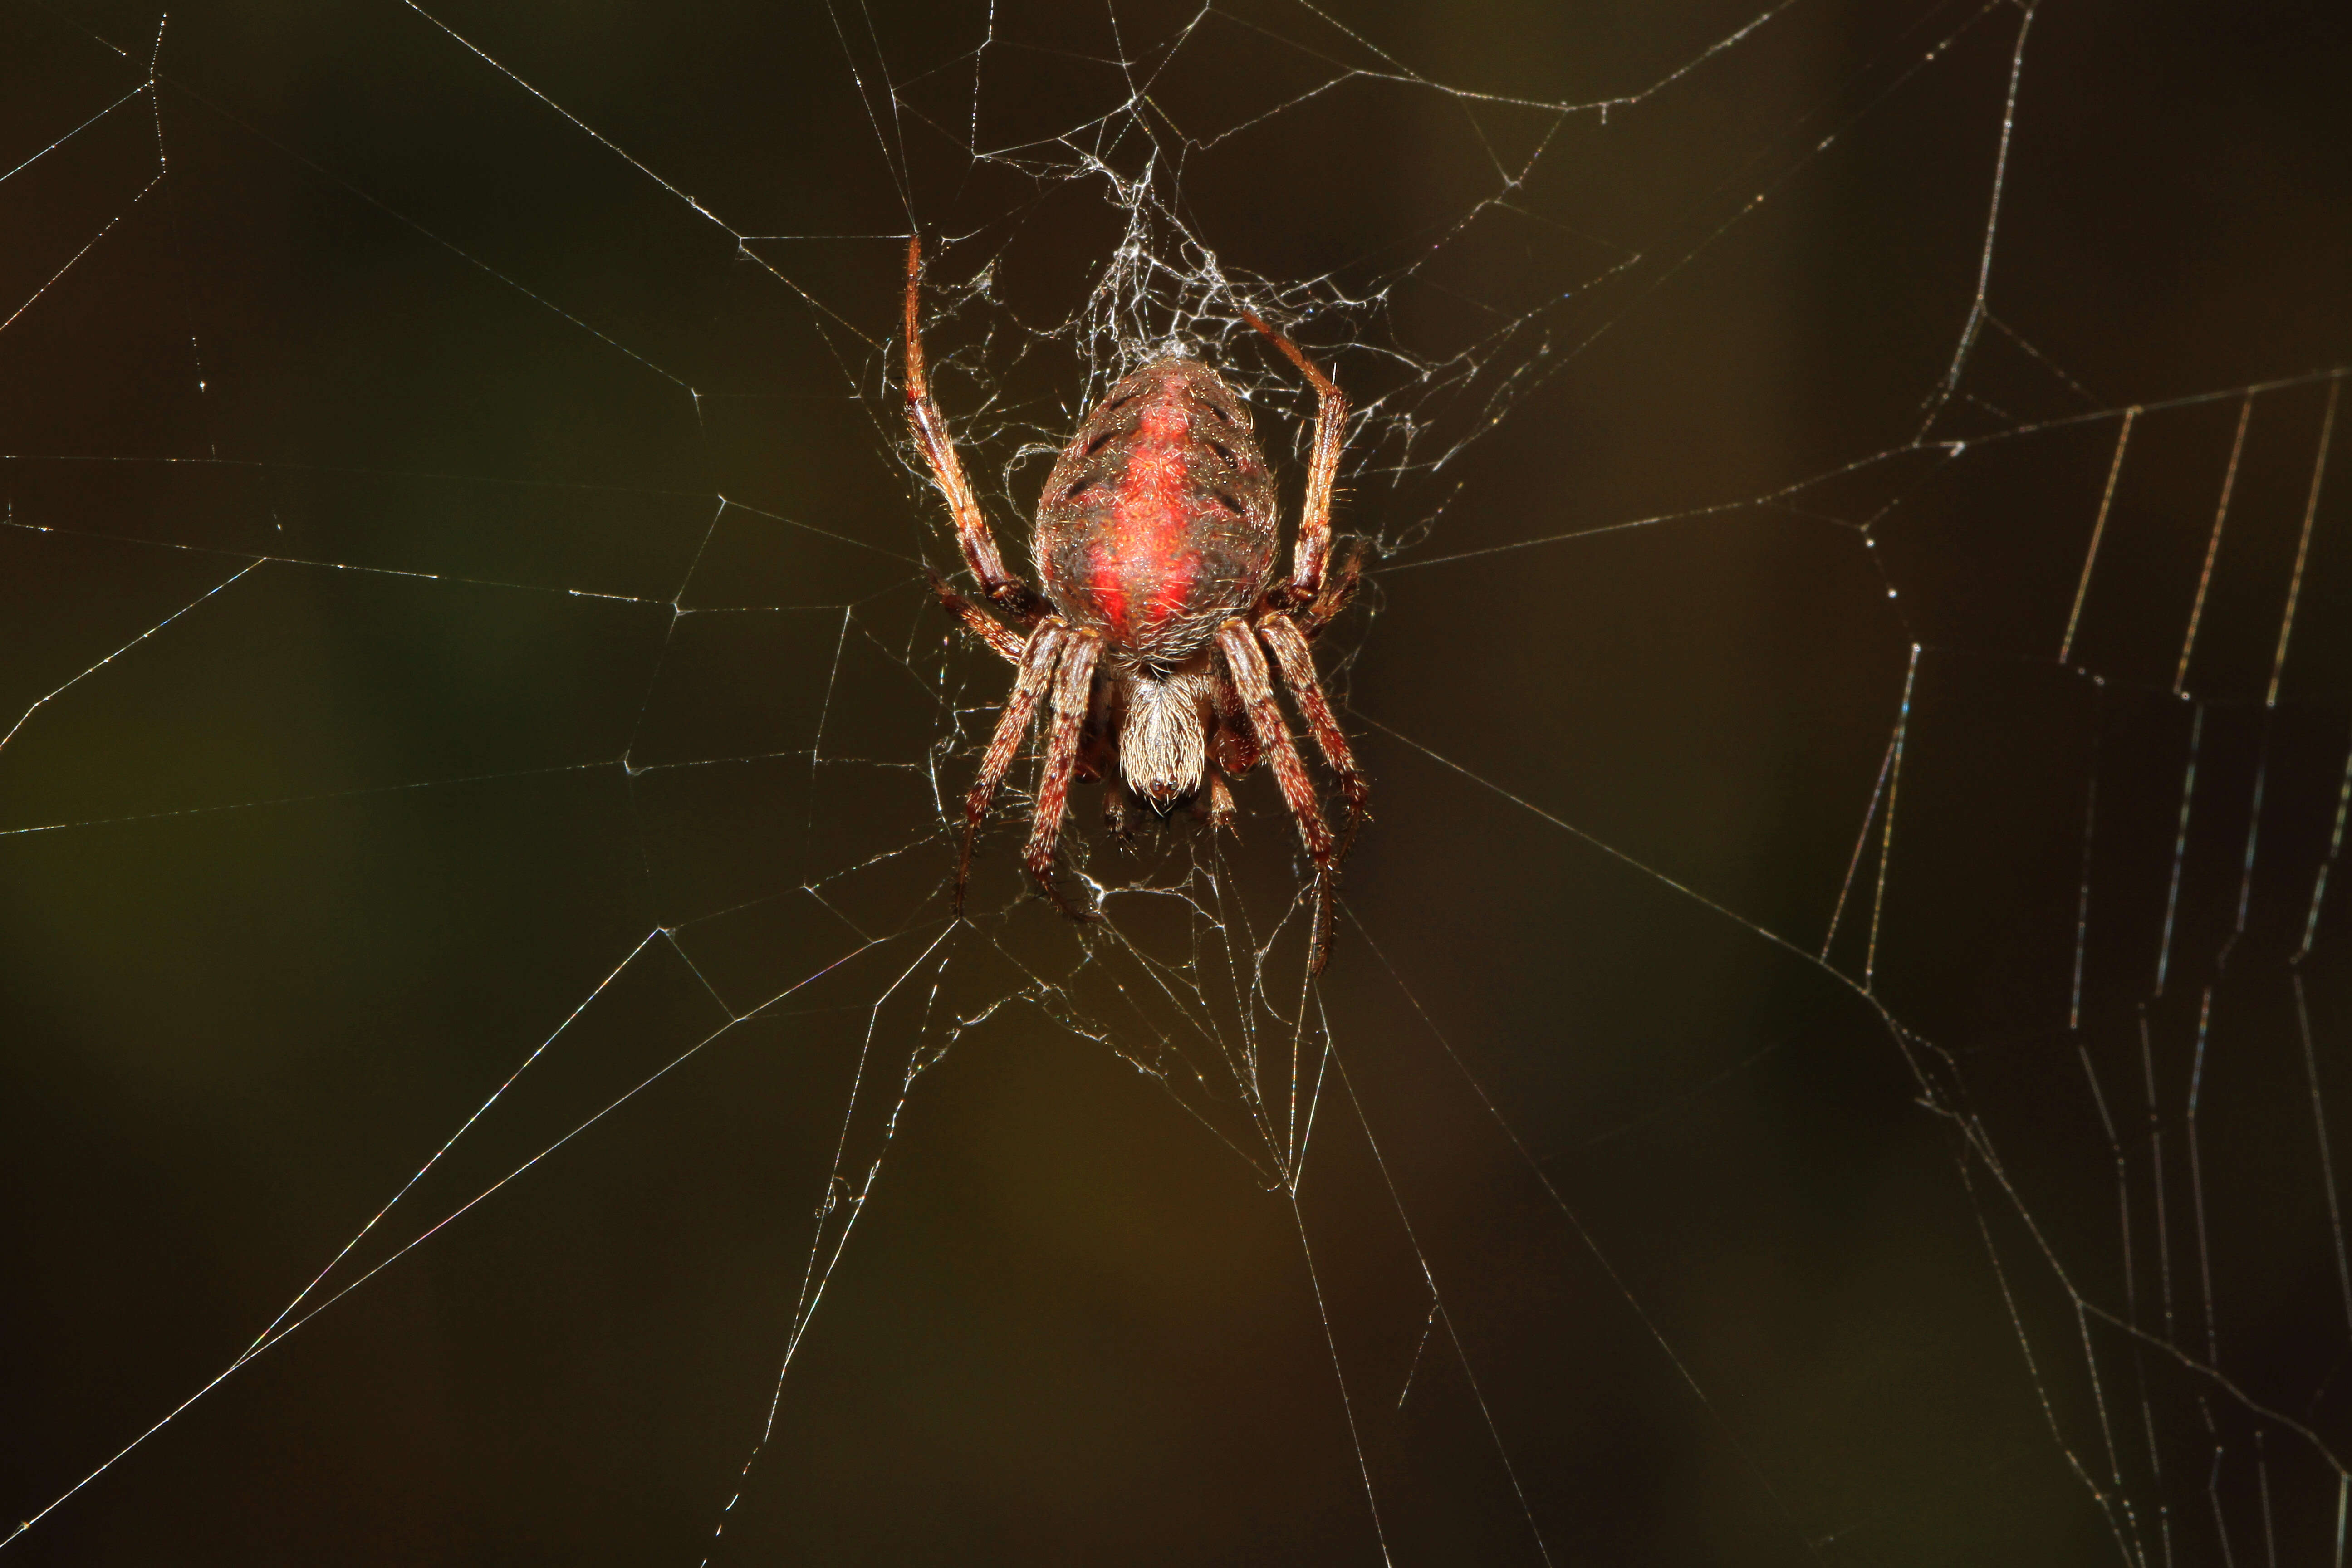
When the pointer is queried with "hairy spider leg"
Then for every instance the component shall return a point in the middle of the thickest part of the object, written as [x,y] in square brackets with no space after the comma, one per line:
[1314,546]
[1231,746]
[1252,685]
[972,537]
[983,626]
[1073,689]
[1288,645]
[1012,726]
[1341,588]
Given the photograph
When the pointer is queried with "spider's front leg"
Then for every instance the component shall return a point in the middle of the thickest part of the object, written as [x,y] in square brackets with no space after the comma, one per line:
[972,536]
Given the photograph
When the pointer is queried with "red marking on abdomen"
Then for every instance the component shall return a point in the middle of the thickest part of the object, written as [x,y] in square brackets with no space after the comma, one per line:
[1148,553]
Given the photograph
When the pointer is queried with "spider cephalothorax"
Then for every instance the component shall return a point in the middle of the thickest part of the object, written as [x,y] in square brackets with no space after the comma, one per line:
[1156,539]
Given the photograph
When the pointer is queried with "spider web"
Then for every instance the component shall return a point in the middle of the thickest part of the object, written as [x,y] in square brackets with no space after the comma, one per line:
[1834,1030]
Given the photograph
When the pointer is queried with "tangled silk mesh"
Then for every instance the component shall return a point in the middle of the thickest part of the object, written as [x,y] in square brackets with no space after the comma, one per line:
[1904,1130]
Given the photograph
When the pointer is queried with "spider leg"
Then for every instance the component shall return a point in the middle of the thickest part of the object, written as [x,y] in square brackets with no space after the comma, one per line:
[1036,673]
[1340,588]
[979,545]
[1230,745]
[1255,690]
[1297,667]
[1073,689]
[981,625]
[1314,547]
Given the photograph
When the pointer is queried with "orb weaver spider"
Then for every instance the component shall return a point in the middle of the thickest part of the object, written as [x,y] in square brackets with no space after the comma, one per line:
[1155,545]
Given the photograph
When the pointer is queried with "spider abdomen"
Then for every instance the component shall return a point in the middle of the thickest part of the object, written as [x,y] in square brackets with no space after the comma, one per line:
[1159,522]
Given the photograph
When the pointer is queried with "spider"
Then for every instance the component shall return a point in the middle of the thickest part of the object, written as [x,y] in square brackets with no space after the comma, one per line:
[1155,541]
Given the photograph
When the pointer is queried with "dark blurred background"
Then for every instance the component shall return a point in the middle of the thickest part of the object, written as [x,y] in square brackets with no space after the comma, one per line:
[462,596]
